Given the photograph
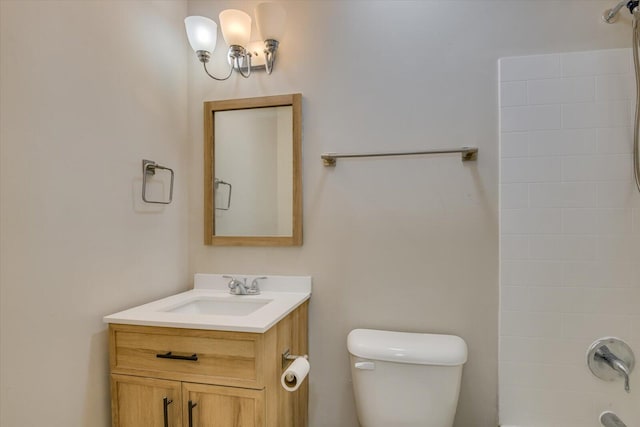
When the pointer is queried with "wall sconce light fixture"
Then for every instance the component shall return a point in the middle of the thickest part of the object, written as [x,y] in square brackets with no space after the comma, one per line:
[235,25]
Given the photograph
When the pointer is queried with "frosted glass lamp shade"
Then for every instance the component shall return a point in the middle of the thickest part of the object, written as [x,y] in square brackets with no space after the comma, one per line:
[236,27]
[202,33]
[270,19]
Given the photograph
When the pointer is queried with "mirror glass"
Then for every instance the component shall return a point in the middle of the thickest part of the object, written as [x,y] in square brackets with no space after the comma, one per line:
[253,183]
[252,172]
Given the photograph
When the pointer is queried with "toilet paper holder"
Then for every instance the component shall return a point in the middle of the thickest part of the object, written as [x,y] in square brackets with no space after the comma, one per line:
[287,357]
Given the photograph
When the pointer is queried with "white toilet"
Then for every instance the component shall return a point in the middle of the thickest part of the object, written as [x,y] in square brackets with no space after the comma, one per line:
[405,379]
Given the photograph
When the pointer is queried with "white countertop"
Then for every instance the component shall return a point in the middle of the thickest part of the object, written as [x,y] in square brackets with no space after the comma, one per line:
[281,295]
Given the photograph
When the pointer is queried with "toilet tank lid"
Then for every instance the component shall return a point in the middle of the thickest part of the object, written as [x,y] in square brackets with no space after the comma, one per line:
[407,347]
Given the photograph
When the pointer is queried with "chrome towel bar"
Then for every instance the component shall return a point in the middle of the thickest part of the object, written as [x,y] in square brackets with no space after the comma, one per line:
[149,169]
[468,153]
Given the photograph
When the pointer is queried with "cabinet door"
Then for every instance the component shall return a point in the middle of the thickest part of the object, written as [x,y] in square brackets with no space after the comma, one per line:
[217,406]
[145,402]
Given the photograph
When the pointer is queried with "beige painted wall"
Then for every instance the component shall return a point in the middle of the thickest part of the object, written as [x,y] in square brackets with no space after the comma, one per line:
[88,89]
[409,243]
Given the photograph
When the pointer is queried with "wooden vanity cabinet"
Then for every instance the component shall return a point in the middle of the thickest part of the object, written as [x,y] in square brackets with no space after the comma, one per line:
[202,378]
[139,401]
[223,406]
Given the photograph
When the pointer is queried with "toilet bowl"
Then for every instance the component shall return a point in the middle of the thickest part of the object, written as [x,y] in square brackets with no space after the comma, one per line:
[403,379]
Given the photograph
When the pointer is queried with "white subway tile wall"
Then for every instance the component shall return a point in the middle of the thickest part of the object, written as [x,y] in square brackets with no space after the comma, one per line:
[569,233]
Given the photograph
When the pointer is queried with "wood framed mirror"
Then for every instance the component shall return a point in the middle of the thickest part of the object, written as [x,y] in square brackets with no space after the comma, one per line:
[252,171]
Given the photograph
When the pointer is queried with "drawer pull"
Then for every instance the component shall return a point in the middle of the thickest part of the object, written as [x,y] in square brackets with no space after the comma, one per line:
[165,403]
[170,355]
[191,406]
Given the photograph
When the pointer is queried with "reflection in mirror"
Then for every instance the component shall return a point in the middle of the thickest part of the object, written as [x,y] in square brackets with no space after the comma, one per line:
[252,172]
[253,183]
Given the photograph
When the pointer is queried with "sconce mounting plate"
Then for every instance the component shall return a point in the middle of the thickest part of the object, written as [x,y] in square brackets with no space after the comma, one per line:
[256,49]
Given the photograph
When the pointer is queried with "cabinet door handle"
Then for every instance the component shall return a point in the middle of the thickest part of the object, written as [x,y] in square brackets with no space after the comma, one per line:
[165,404]
[191,406]
[170,355]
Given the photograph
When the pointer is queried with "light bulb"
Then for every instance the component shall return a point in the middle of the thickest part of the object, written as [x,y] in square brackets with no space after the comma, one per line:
[202,33]
[270,19]
[236,27]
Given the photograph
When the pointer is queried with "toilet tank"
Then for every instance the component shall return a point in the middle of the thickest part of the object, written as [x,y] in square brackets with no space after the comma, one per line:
[403,379]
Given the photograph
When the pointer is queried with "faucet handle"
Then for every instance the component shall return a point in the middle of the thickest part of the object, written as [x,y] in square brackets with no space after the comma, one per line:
[611,358]
[255,286]
[627,388]
[235,283]
[623,370]
[232,283]
[604,354]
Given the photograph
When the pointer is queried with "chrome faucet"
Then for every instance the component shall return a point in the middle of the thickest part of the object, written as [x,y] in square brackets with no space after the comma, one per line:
[239,287]
[604,354]
[609,419]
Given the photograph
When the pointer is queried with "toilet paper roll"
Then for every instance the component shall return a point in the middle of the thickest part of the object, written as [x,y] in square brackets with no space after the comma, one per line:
[295,374]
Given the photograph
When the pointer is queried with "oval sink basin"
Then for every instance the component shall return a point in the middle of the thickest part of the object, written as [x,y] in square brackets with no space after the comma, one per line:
[220,306]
